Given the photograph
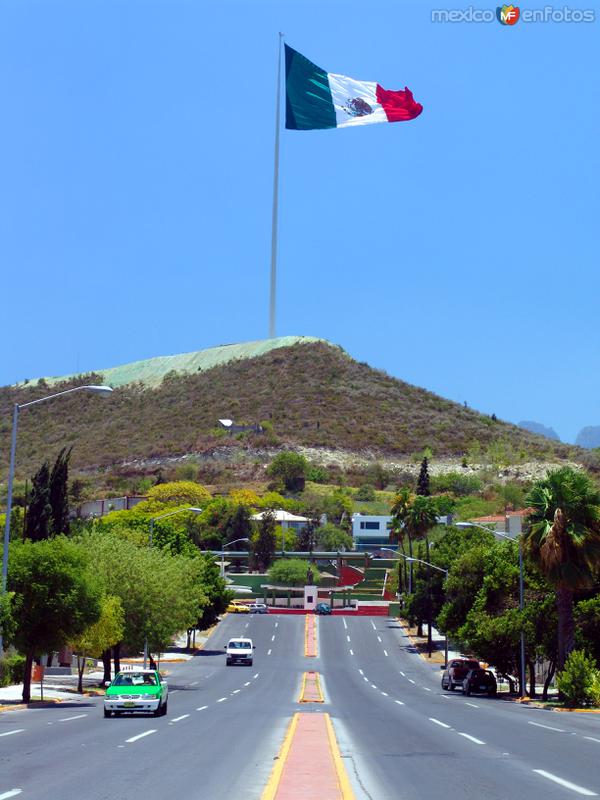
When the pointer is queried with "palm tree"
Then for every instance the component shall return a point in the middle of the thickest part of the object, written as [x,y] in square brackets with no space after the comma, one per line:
[564,541]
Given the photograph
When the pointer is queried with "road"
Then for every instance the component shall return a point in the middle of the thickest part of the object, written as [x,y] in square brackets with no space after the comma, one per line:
[399,734]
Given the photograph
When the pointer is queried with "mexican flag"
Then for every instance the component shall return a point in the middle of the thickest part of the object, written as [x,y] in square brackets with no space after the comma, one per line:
[319,99]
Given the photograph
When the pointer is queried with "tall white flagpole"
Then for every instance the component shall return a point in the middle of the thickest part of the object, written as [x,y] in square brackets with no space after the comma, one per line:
[275,217]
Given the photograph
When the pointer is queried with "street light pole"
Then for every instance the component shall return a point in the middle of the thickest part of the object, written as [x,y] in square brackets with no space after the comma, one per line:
[521,591]
[101,390]
[227,544]
[194,510]
[439,569]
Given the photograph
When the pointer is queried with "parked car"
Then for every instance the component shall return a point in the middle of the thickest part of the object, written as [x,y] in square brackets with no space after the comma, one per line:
[258,608]
[235,607]
[239,651]
[456,671]
[480,681]
[136,690]
[323,608]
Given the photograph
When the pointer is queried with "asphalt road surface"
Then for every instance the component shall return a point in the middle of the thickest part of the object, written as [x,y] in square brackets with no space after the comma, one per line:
[400,735]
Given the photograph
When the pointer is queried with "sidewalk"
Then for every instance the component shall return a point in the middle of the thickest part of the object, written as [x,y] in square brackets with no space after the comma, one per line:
[61,688]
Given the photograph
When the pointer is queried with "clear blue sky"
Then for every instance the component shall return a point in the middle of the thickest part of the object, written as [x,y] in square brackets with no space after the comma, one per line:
[458,252]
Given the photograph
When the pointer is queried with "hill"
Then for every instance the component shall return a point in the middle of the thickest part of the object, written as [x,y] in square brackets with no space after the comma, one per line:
[542,430]
[309,393]
[589,437]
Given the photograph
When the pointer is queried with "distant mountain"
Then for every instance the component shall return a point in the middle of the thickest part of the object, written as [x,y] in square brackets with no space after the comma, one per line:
[589,437]
[541,430]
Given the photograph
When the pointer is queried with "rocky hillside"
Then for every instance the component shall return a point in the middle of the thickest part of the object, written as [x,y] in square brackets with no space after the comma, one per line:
[307,394]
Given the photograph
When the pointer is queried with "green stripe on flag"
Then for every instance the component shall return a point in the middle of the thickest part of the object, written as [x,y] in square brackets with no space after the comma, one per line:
[308,101]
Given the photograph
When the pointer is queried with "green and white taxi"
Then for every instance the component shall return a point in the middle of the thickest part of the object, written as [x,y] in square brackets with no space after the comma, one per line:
[136,690]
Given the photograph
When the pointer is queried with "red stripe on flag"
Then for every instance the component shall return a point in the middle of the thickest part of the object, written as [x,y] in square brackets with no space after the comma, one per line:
[398,106]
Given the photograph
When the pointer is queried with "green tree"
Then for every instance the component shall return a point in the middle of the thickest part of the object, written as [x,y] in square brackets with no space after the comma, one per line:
[263,541]
[59,493]
[332,538]
[563,540]
[215,590]
[423,488]
[39,513]
[290,468]
[175,493]
[55,597]
[338,508]
[587,617]
[378,475]
[292,572]
[102,634]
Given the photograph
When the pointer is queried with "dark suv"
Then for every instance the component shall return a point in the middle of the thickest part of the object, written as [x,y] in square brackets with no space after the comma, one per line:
[456,671]
[480,681]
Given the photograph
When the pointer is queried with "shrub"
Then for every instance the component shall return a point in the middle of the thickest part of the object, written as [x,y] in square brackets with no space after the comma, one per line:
[317,474]
[579,682]
[292,572]
[365,493]
[457,483]
[12,668]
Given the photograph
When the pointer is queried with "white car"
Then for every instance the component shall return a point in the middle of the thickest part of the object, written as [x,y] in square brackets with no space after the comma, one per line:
[239,651]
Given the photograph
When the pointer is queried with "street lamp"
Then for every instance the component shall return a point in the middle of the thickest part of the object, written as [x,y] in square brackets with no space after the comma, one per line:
[227,544]
[521,593]
[152,521]
[102,391]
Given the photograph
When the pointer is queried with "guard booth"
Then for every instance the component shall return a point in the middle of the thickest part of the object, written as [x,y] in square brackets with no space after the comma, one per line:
[311,598]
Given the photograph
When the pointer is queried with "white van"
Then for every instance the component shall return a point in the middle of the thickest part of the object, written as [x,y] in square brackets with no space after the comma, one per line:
[239,651]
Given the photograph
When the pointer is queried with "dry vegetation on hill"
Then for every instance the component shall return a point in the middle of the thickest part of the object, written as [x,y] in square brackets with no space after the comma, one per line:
[311,394]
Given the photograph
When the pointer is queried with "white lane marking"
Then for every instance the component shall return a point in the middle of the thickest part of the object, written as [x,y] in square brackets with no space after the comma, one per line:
[345,625]
[177,719]
[68,719]
[427,689]
[400,703]
[173,691]
[276,624]
[385,694]
[379,639]
[10,733]
[269,651]
[246,625]
[444,697]
[139,736]
[221,700]
[347,637]
[403,675]
[589,738]
[471,738]
[194,683]
[273,638]
[236,691]
[255,676]
[373,624]
[437,722]
[351,652]
[365,678]
[470,704]
[361,672]
[12,793]
[373,686]
[202,708]
[561,781]
[410,680]
[548,727]
[247,683]
[385,652]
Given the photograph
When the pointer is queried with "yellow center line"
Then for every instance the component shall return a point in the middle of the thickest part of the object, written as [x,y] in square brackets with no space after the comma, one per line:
[346,792]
